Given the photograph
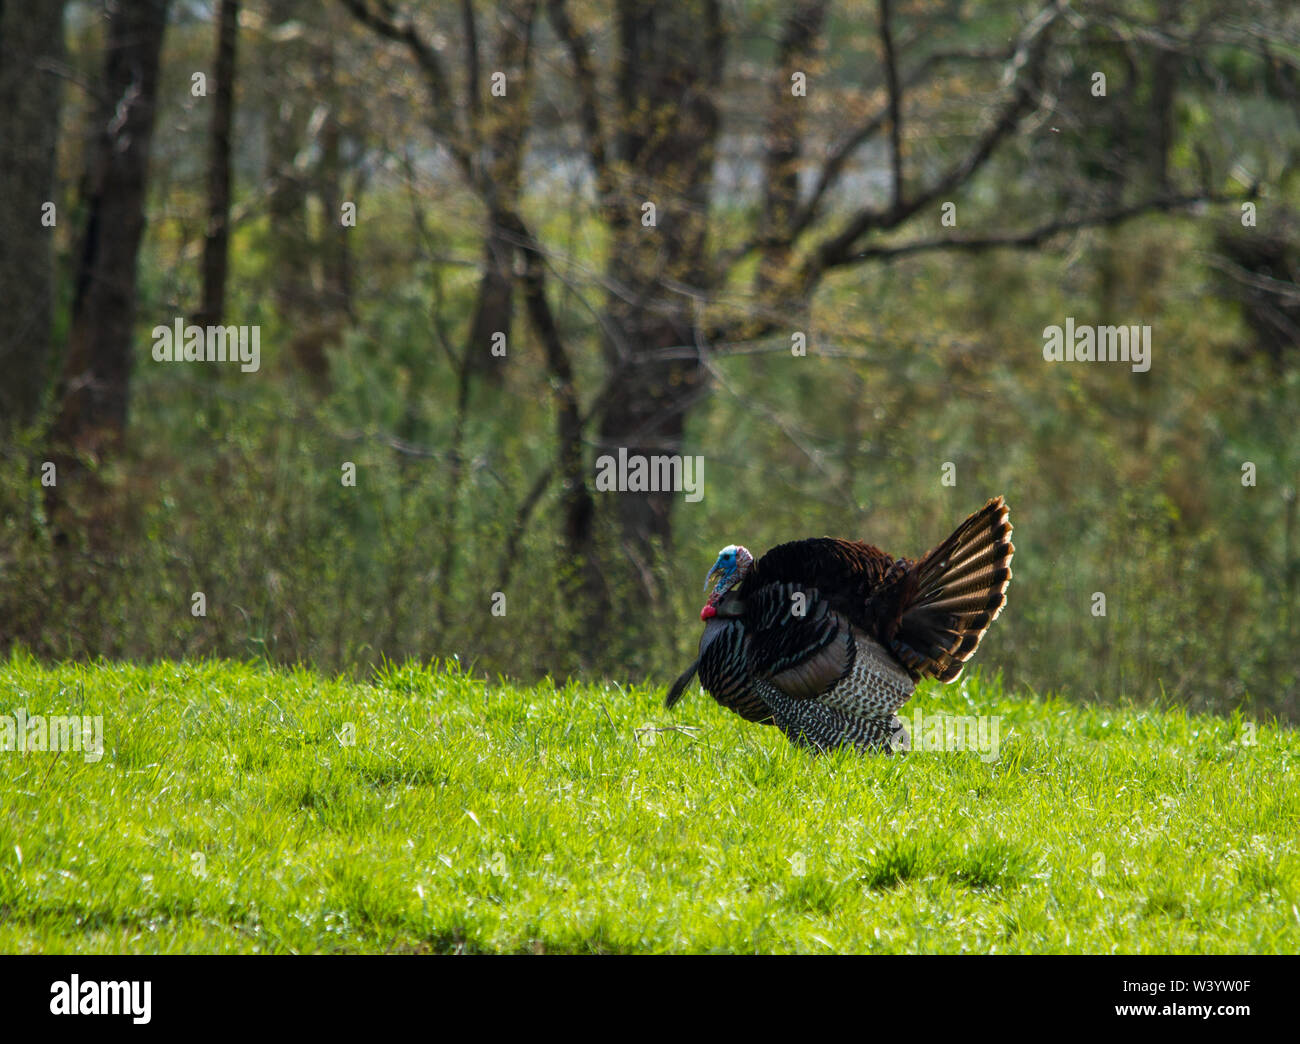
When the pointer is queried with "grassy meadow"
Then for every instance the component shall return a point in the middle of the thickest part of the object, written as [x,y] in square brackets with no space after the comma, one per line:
[243,808]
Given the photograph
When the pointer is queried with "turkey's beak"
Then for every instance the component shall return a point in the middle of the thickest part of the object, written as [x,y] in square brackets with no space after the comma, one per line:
[716,572]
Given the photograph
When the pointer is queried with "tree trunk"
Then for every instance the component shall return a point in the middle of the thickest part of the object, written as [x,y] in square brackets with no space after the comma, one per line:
[31,38]
[291,250]
[335,245]
[1166,66]
[500,123]
[785,132]
[669,75]
[216,243]
[335,250]
[96,374]
[494,306]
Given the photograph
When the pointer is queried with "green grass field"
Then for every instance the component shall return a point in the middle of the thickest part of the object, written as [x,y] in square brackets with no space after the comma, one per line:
[239,808]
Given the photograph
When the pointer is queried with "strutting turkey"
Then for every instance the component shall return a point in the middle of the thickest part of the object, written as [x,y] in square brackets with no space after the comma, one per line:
[827,638]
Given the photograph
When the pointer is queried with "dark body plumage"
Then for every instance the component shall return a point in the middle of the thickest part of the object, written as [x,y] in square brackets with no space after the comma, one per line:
[827,638]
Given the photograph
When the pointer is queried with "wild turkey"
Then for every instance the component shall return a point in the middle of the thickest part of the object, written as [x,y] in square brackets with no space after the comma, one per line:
[827,638]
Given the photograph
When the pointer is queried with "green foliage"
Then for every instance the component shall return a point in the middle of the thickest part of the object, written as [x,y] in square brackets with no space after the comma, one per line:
[240,808]
[1121,483]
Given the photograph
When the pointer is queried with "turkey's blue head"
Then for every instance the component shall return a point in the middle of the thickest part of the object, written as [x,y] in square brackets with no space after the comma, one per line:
[731,567]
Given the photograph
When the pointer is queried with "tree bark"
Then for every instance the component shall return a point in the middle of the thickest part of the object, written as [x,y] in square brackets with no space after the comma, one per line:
[216,243]
[335,249]
[331,178]
[291,252]
[499,125]
[31,40]
[670,71]
[800,40]
[92,407]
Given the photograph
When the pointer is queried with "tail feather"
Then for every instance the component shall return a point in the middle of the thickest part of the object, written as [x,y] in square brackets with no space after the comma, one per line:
[983,559]
[959,589]
[679,686]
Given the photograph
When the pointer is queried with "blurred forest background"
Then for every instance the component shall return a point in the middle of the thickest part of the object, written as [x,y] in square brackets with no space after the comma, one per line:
[497,156]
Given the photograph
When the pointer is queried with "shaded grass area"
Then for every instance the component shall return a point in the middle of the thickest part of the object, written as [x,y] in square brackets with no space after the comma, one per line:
[243,808]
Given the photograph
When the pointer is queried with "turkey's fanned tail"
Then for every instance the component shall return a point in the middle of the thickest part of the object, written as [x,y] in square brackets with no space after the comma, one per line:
[679,686]
[954,593]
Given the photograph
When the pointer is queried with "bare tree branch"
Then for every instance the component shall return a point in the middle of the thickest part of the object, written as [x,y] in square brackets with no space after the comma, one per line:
[579,506]
[785,130]
[895,101]
[584,74]
[839,156]
[1037,236]
[510,554]
[473,86]
[1022,75]
[443,108]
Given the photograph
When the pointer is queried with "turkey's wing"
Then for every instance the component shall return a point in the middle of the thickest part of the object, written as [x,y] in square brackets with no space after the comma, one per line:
[797,642]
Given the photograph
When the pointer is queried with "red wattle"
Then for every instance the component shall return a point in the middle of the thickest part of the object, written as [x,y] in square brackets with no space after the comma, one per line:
[707,612]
